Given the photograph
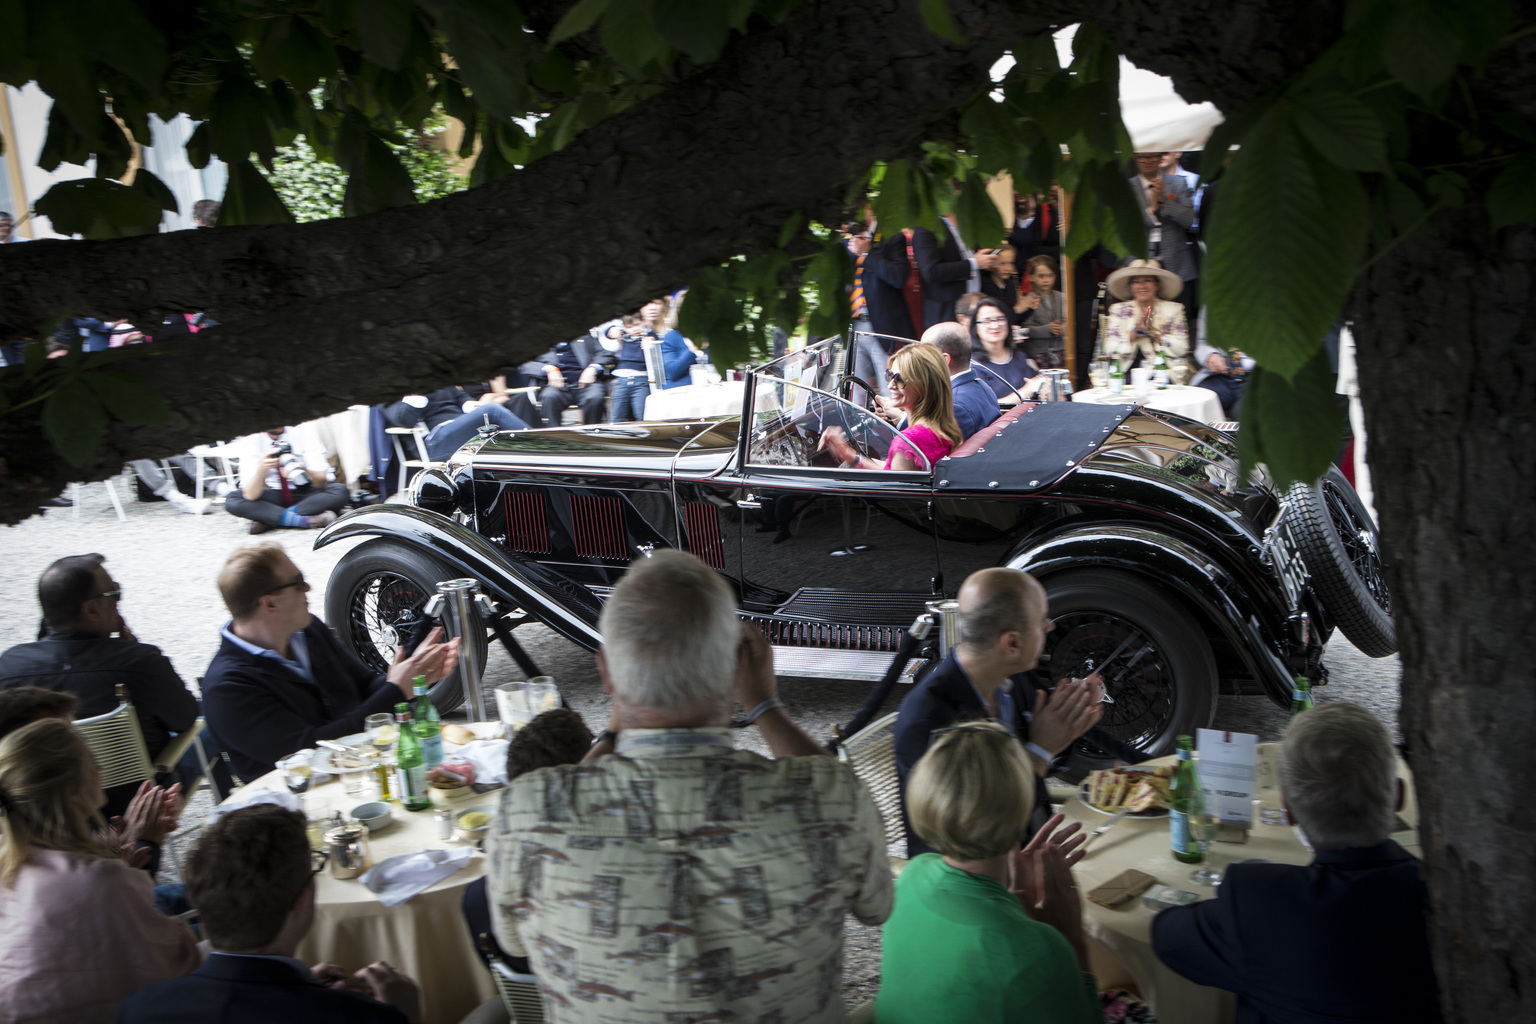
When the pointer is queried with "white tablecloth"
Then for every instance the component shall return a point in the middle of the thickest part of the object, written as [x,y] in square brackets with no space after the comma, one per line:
[1196,403]
[425,938]
[1119,939]
[695,400]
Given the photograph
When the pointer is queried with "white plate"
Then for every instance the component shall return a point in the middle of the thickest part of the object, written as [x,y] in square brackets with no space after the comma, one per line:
[1150,815]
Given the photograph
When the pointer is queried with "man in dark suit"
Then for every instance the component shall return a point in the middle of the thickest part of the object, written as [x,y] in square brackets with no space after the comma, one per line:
[975,402]
[949,269]
[1343,938]
[1168,210]
[281,680]
[987,675]
[253,884]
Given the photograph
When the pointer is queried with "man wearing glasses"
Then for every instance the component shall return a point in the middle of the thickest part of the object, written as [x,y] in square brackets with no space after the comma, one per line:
[281,680]
[84,647]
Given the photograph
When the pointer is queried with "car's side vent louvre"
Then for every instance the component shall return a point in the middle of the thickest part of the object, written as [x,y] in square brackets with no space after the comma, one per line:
[701,523]
[597,526]
[801,633]
[527,528]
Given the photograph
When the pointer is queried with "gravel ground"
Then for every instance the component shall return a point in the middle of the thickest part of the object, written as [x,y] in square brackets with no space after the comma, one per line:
[166,563]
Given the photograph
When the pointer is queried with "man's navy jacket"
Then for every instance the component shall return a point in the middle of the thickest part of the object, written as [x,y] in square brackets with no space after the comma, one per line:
[260,710]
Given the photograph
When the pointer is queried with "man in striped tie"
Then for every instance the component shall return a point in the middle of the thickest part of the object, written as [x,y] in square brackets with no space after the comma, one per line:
[869,354]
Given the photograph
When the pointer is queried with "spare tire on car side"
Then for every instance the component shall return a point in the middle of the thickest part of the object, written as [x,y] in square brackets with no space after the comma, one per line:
[1339,542]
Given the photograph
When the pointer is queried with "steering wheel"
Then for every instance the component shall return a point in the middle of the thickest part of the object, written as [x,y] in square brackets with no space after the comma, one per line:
[845,386]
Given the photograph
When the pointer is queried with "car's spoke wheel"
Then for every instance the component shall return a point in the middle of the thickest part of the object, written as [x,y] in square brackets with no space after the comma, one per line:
[1157,665]
[1339,543]
[374,602]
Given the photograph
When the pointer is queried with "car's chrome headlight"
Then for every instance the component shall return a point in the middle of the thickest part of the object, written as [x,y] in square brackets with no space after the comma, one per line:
[433,491]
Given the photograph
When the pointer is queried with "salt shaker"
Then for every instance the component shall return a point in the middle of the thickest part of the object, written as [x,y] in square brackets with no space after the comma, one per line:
[444,818]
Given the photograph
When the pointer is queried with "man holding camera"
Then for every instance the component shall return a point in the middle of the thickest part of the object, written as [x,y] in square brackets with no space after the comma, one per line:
[286,480]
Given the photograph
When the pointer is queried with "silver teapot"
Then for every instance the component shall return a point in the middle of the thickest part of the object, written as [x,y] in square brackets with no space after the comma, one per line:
[347,844]
[1057,386]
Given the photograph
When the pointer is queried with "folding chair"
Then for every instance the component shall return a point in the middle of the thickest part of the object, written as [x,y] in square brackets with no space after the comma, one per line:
[871,753]
[519,993]
[418,433]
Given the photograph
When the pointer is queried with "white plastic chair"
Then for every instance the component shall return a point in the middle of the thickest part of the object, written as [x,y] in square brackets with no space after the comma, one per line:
[871,753]
[117,741]
[519,994]
[418,433]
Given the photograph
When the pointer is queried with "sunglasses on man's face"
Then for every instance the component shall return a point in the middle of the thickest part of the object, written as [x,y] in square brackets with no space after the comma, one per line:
[300,583]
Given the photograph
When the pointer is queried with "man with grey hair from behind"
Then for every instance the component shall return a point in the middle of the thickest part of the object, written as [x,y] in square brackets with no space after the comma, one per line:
[1341,939]
[671,876]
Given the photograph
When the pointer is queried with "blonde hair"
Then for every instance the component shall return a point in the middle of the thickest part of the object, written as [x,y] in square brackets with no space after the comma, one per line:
[44,774]
[924,370]
[248,574]
[970,796]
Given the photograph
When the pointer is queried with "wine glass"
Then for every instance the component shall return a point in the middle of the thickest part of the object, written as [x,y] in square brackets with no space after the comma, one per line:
[1202,829]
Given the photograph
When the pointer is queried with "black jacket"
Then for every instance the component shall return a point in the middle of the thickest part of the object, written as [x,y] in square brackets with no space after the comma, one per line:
[251,990]
[885,278]
[260,710]
[944,271]
[90,667]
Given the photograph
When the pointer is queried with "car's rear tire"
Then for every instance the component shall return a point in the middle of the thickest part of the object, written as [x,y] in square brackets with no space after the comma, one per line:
[1163,684]
[374,599]
[1339,543]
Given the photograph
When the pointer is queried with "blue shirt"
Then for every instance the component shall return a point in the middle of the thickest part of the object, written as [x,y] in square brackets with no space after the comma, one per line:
[299,665]
[975,403]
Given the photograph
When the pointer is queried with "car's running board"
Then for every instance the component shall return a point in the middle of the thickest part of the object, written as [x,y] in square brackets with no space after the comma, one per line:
[821,663]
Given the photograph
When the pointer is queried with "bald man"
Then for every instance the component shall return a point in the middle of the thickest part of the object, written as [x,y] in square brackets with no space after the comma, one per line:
[988,675]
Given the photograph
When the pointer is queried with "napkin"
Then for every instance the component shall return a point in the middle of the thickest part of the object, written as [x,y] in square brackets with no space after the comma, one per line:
[398,878]
[489,758]
[249,796]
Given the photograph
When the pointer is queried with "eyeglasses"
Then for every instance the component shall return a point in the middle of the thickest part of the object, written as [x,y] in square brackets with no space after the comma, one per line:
[111,595]
[300,583]
[318,860]
[992,320]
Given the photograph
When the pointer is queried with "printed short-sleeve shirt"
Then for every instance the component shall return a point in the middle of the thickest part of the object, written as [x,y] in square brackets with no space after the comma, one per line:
[682,881]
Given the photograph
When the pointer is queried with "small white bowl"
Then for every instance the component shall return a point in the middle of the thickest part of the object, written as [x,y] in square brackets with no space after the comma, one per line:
[375,815]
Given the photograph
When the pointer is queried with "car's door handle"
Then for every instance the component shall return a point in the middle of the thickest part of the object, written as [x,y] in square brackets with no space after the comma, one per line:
[749,501]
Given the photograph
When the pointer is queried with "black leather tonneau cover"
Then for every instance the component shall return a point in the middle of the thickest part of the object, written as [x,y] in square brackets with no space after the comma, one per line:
[1035,450]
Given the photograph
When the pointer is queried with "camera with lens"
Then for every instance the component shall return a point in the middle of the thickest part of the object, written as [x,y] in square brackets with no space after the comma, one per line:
[290,465]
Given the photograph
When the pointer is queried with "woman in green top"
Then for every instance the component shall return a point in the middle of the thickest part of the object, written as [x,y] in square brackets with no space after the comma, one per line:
[984,931]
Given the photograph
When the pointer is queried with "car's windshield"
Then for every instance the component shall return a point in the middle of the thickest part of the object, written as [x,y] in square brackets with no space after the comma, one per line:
[827,356]
[791,416]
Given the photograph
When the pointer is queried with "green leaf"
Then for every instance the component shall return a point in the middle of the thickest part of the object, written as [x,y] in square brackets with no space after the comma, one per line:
[63,66]
[1420,48]
[1512,199]
[831,271]
[698,28]
[1276,278]
[489,48]
[976,215]
[237,123]
[385,28]
[377,181]
[147,183]
[198,153]
[629,36]
[895,206]
[1294,427]
[1448,189]
[994,137]
[250,199]
[74,421]
[63,143]
[132,43]
[294,50]
[1125,230]
[1229,133]
[127,397]
[577,20]
[790,228]
[14,66]
[1341,128]
[98,208]
[939,21]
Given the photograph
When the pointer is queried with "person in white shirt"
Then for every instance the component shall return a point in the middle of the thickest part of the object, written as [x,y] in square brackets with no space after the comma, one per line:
[286,480]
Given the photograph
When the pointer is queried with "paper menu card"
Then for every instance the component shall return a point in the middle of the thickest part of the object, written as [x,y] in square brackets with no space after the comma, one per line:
[1227,772]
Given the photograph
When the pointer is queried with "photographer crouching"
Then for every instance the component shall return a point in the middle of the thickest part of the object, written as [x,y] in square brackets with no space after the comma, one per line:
[285,480]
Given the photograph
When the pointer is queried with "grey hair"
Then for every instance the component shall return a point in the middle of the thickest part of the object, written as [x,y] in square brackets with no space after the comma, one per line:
[1339,777]
[670,634]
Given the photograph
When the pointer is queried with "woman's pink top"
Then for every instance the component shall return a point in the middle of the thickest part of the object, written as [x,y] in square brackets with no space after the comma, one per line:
[80,933]
[933,446]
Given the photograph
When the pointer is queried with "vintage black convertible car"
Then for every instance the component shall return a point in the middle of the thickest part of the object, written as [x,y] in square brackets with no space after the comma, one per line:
[1165,573]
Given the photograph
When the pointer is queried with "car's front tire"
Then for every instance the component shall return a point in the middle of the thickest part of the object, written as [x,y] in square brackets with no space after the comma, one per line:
[374,600]
[1162,684]
[1342,549]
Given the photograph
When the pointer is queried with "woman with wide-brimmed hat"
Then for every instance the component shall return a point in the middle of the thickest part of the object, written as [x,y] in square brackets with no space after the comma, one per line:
[1147,321]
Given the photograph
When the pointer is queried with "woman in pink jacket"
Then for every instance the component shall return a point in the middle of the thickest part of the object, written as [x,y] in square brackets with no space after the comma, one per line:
[78,925]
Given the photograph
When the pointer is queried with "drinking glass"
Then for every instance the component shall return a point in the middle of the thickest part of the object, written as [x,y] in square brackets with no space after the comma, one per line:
[381,731]
[512,704]
[296,773]
[1202,829]
[543,696]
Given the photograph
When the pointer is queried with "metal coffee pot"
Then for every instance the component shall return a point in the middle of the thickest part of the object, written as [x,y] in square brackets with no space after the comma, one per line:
[1057,386]
[347,843]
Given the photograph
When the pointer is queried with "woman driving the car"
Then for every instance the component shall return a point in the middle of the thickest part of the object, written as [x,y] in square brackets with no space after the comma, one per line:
[919,382]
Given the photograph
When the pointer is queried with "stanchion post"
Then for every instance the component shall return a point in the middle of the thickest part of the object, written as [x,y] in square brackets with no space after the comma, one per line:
[463,604]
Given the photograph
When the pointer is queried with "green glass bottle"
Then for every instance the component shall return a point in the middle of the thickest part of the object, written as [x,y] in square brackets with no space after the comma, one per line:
[1185,799]
[428,725]
[410,768]
[1301,696]
[1116,377]
[1160,369]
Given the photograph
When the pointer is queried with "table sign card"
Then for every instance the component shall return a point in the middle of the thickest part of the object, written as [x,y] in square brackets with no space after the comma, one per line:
[1227,771]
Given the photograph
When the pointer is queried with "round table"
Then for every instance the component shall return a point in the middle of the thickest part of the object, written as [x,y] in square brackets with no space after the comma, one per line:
[1196,403]
[1119,940]
[425,937]
[692,401]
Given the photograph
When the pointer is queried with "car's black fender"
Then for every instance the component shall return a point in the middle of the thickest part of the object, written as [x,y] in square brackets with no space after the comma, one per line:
[1169,562]
[566,607]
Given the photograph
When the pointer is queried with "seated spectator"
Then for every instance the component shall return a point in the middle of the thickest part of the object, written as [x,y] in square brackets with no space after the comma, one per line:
[252,880]
[988,676]
[453,415]
[683,876]
[554,737]
[564,379]
[984,931]
[86,648]
[1149,321]
[281,680]
[975,404]
[286,480]
[1045,318]
[1222,371]
[78,924]
[205,213]
[1343,938]
[155,482]
[23,705]
[998,363]
[919,392]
